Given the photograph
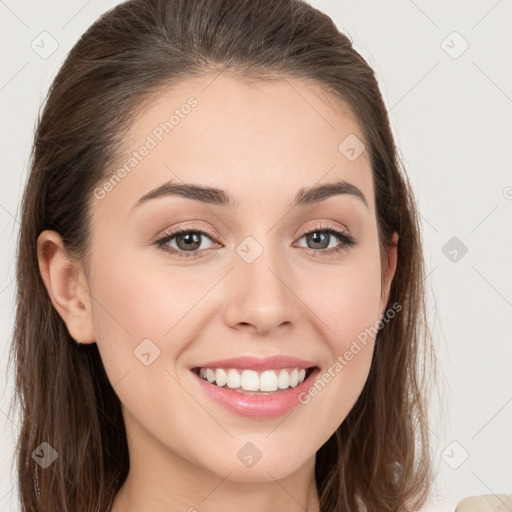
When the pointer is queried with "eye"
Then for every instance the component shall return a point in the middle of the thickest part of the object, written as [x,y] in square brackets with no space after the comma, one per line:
[188,241]
[321,237]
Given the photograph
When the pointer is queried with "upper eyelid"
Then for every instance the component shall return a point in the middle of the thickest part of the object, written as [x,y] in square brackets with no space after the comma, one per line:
[319,226]
[185,229]
[345,240]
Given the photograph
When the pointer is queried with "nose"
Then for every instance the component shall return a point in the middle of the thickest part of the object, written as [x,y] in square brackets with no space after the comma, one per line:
[260,295]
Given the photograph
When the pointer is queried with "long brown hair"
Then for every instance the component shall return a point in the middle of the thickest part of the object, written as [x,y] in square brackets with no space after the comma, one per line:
[379,458]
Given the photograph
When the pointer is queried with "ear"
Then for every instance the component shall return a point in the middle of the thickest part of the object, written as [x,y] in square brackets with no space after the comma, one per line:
[388,271]
[66,285]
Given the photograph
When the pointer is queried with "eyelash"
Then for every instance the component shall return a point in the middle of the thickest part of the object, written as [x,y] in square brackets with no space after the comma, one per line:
[347,241]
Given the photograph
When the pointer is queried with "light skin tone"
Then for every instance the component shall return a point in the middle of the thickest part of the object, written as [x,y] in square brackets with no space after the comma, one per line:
[261,143]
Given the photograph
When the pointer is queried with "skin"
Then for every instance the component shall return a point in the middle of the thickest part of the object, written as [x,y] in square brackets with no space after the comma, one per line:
[262,143]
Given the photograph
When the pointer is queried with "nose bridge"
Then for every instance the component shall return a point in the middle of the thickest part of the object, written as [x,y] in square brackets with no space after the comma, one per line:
[261,278]
[260,264]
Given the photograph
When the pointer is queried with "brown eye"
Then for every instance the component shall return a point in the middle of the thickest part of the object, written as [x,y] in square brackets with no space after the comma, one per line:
[188,240]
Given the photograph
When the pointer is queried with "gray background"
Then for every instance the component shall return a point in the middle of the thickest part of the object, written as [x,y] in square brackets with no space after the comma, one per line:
[450,109]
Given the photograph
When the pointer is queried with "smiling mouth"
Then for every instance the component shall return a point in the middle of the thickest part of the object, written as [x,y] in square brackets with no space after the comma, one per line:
[252,382]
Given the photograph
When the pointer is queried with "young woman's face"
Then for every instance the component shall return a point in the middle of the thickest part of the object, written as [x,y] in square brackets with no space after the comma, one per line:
[255,285]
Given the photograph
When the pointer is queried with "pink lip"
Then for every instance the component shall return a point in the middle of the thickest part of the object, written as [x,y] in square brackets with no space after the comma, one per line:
[257,406]
[256,363]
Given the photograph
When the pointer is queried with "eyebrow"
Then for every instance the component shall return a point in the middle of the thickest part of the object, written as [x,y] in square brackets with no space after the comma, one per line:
[218,197]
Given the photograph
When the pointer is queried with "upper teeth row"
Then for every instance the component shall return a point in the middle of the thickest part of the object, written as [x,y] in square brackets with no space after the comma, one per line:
[249,380]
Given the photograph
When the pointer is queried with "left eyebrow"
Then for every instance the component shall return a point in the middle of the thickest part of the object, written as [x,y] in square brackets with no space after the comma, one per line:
[218,197]
[324,191]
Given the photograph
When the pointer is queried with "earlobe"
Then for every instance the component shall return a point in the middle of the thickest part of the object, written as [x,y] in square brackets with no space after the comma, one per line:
[66,286]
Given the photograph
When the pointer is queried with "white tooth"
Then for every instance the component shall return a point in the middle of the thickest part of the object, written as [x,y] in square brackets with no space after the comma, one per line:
[283,379]
[294,377]
[250,380]
[220,377]
[268,381]
[234,380]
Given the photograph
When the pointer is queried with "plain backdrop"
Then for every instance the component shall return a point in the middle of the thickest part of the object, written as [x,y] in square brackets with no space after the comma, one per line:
[444,71]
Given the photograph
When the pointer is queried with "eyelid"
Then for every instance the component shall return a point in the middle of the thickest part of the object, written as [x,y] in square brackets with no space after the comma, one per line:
[346,240]
[319,225]
[190,227]
[322,225]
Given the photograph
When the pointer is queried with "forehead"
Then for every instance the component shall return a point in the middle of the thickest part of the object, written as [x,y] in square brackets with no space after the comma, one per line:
[260,140]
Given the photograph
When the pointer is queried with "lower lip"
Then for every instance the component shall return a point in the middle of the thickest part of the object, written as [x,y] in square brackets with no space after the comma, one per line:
[257,406]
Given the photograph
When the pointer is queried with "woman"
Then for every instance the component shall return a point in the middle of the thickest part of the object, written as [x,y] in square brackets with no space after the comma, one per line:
[220,278]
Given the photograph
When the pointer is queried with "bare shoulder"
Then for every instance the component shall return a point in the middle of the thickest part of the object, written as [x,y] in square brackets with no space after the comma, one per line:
[485,503]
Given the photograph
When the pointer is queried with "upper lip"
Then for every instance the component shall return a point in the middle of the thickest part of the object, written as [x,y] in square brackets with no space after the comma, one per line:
[257,363]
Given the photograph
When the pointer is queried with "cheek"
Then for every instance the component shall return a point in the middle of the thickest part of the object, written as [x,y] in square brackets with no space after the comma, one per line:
[138,309]
[138,299]
[145,317]
[345,298]
[346,303]
[141,324]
